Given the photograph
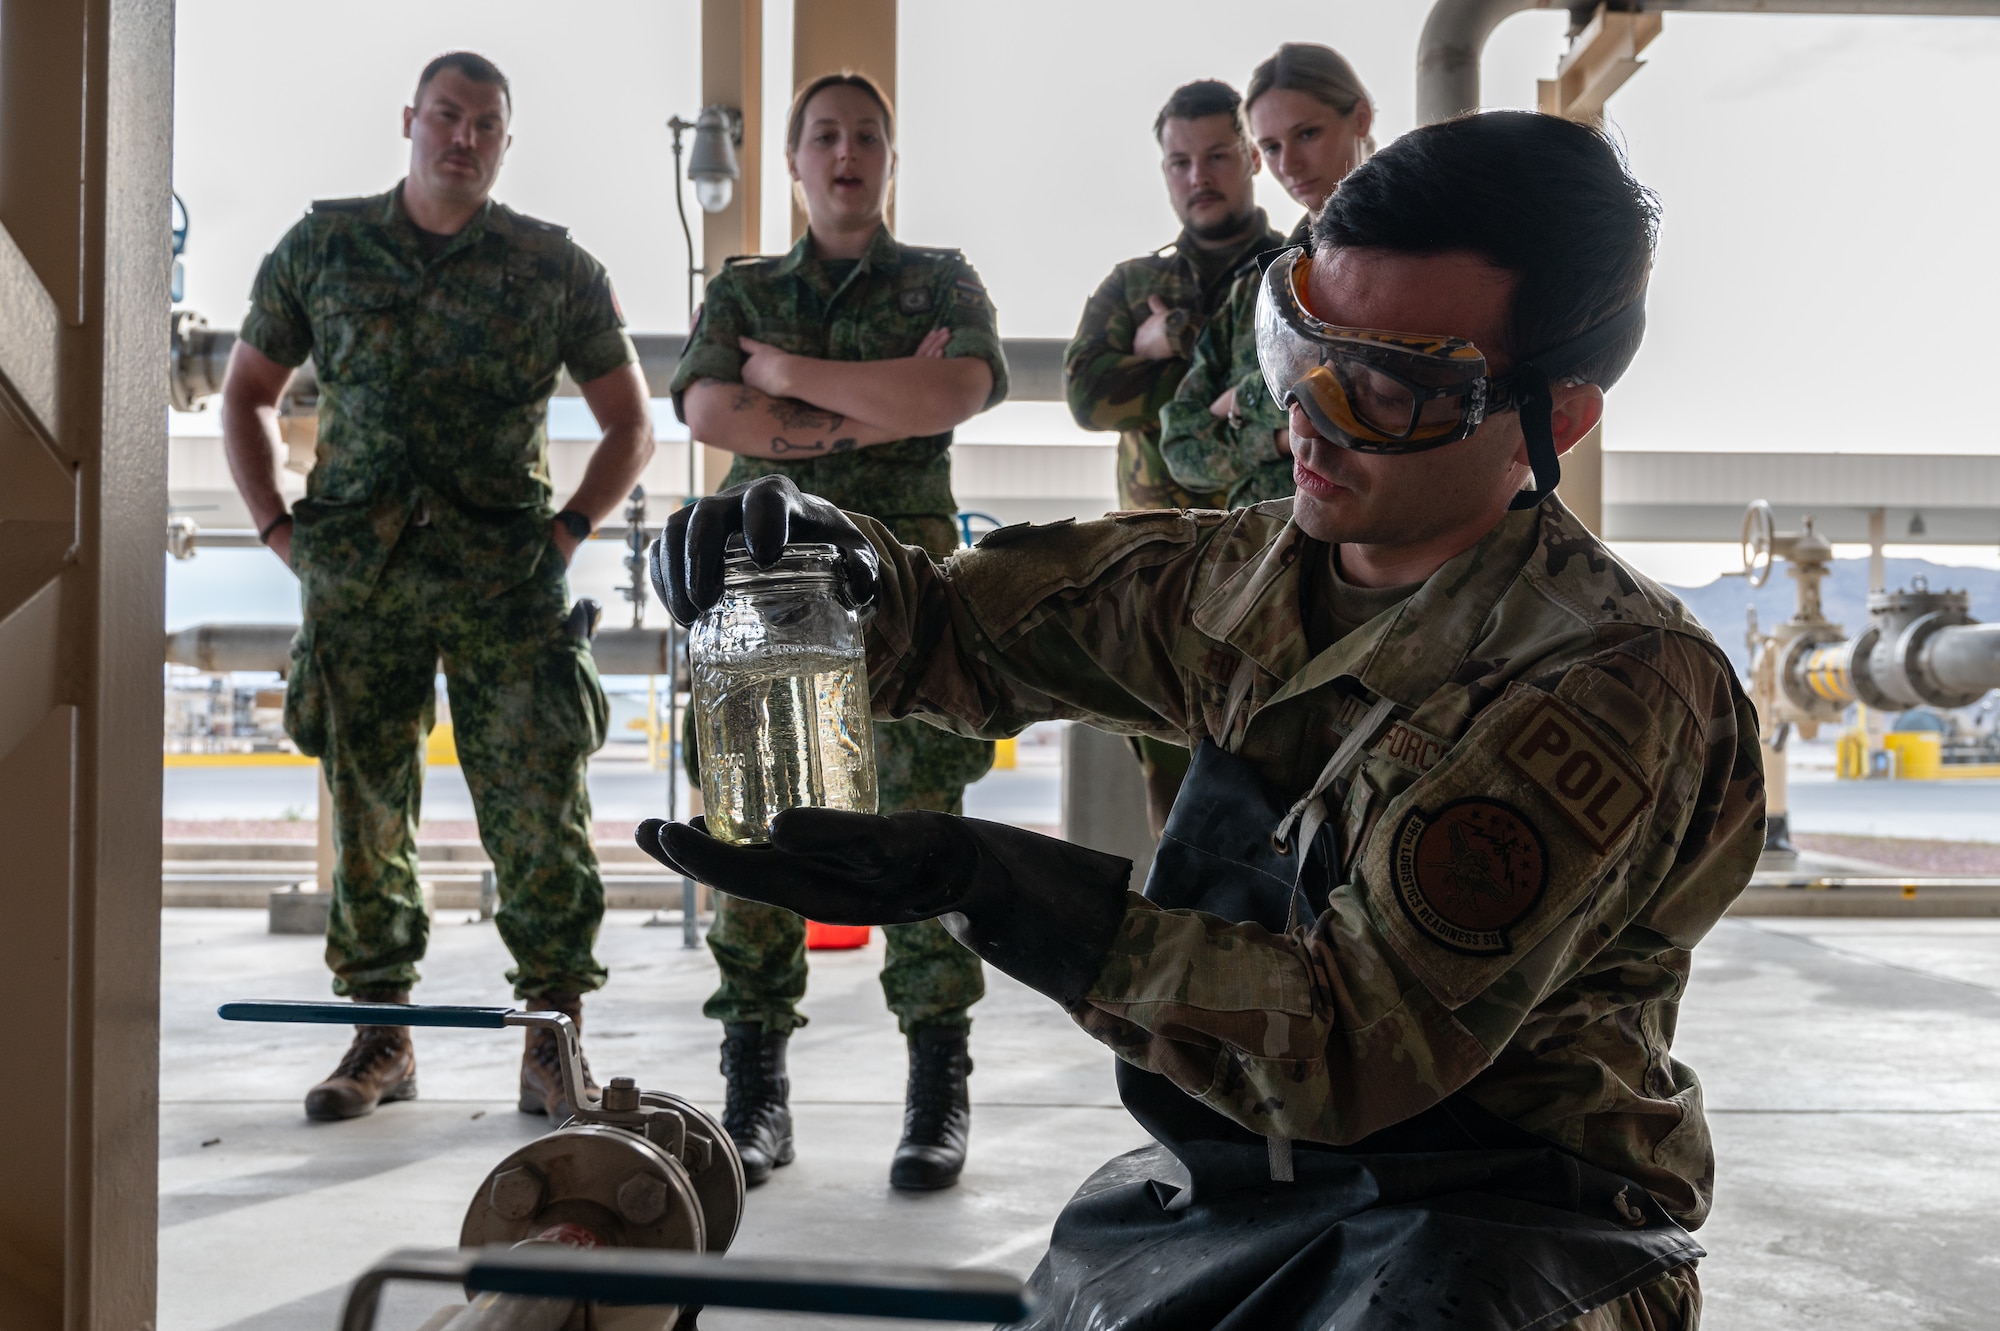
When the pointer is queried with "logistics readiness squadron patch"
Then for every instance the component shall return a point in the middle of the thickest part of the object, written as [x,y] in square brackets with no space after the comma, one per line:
[1469,872]
[1596,788]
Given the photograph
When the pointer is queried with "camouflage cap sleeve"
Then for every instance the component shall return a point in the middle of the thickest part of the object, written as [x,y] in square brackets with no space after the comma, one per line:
[593,338]
[1207,453]
[1576,826]
[1110,388]
[1071,620]
[712,351]
[970,315]
[279,324]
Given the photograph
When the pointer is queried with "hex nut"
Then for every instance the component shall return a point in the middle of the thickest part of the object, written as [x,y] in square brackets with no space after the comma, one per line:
[621,1095]
[642,1199]
[516,1193]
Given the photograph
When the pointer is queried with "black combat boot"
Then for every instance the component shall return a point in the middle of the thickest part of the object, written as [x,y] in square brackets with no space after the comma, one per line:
[380,1067]
[755,1113]
[937,1117]
[541,1068]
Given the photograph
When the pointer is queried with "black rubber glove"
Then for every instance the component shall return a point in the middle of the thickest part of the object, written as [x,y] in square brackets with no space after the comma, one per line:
[771,512]
[1042,910]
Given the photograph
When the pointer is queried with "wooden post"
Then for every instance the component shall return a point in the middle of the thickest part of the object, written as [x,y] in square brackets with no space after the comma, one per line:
[86,134]
[831,35]
[732,74]
[1583,479]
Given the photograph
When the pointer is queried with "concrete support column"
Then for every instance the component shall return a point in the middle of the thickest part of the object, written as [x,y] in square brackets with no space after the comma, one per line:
[1878,566]
[832,35]
[1104,798]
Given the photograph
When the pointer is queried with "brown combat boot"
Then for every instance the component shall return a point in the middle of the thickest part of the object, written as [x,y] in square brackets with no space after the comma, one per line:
[541,1071]
[380,1067]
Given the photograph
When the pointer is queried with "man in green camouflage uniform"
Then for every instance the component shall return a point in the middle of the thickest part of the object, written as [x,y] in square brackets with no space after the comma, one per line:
[1524,781]
[1246,455]
[438,321]
[1139,328]
[880,307]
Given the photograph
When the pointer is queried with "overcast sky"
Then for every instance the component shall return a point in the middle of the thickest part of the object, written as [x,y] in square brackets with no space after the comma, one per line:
[1825,276]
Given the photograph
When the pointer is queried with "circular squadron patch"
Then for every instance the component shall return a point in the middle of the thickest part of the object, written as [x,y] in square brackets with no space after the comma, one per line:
[1469,872]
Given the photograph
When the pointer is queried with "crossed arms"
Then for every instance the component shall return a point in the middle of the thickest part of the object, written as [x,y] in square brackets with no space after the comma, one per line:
[790,406]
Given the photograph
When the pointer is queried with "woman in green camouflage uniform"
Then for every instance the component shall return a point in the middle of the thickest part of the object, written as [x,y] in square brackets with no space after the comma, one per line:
[1311,118]
[845,365]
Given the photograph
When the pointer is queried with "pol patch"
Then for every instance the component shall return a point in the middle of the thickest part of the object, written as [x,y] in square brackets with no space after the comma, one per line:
[1468,873]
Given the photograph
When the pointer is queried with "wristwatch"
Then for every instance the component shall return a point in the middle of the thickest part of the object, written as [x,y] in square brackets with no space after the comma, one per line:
[578,526]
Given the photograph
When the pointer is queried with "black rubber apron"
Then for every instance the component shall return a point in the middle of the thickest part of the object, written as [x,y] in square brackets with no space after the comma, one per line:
[1454,1219]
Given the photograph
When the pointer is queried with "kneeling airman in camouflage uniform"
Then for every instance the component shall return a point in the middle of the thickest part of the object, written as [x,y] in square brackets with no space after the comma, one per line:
[1397,1003]
[438,321]
[845,365]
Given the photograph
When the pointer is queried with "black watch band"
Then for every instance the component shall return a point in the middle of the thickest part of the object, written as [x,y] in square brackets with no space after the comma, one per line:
[577,525]
[264,536]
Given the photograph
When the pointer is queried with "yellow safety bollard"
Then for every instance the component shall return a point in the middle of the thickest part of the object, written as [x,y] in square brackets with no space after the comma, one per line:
[1919,753]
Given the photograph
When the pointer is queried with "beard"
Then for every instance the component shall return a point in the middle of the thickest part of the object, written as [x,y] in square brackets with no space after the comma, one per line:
[1223,230]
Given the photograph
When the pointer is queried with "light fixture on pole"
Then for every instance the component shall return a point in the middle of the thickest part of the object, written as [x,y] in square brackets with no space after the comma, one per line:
[718,132]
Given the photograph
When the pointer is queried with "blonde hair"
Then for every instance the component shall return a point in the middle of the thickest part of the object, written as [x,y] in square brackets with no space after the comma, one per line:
[1320,72]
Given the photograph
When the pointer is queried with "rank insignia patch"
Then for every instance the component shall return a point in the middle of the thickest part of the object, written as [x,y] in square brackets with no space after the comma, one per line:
[1469,872]
[914,300]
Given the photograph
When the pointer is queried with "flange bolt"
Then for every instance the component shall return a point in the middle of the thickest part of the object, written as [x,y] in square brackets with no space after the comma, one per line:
[516,1193]
[642,1199]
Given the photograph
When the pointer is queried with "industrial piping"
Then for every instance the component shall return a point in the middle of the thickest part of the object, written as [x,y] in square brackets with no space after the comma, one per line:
[1455,34]
[220,648]
[200,354]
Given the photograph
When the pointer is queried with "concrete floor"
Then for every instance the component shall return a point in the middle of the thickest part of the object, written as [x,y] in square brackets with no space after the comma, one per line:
[1852,1069]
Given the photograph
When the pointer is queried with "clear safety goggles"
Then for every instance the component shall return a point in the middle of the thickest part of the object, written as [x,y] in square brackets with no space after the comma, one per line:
[1363,388]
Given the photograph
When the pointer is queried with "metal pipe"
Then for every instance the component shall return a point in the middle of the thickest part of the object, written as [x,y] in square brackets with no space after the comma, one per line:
[1961,659]
[1448,52]
[217,648]
[1455,34]
[200,354]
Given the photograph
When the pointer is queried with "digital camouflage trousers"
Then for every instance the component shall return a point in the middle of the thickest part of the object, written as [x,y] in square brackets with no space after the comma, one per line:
[927,978]
[527,710]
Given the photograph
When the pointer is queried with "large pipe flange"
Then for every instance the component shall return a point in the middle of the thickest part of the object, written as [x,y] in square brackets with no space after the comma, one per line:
[718,1182]
[624,1190]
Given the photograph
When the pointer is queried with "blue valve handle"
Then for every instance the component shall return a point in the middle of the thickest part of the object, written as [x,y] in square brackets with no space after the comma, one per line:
[645,1277]
[369,1014]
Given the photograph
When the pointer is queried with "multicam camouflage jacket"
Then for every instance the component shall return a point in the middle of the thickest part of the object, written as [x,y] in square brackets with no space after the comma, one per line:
[1568,798]
[434,378]
[1236,455]
[1111,389]
[881,309]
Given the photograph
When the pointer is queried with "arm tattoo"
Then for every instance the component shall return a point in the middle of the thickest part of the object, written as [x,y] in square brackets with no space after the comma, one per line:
[796,415]
[781,445]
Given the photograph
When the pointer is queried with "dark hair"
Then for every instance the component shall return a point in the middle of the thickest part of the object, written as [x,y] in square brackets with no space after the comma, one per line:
[1546,199]
[795,123]
[1203,97]
[474,66]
